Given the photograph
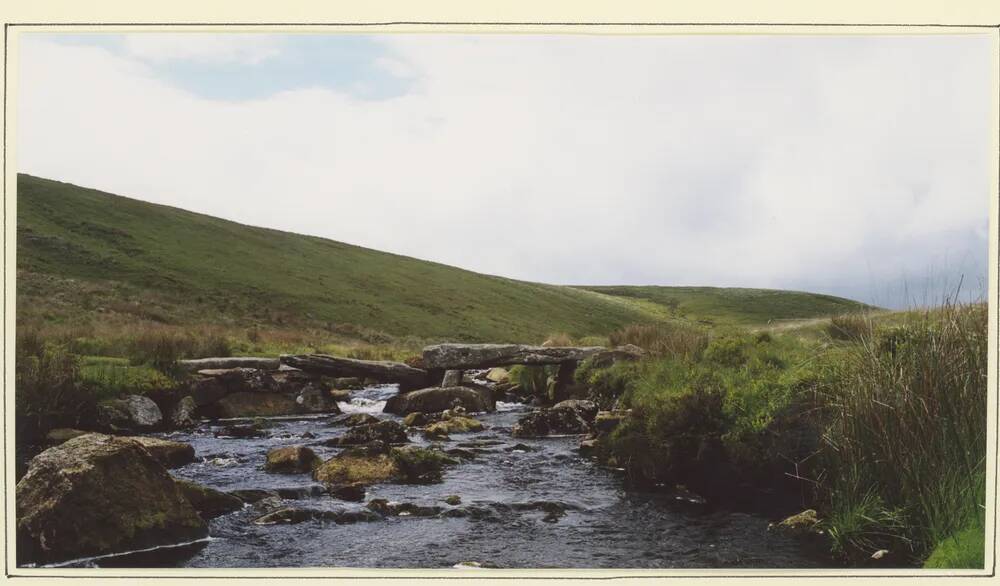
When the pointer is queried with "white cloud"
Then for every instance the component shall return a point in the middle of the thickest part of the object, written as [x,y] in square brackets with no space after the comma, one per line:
[824,163]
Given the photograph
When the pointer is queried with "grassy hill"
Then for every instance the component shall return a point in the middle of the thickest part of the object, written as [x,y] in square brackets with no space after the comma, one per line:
[85,255]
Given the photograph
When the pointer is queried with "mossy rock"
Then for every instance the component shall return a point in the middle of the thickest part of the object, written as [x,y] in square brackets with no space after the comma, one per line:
[291,460]
[455,424]
[345,469]
[98,494]
[420,465]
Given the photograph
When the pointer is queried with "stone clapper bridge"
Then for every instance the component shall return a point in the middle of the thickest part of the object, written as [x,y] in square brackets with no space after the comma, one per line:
[443,364]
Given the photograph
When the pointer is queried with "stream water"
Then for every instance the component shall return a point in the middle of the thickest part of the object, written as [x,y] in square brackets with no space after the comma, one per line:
[604,526]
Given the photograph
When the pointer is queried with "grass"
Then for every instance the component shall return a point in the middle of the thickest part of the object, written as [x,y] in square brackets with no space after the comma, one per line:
[713,306]
[880,424]
[93,259]
[906,406]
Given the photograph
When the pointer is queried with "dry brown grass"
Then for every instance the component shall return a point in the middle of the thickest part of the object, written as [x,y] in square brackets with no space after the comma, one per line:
[663,339]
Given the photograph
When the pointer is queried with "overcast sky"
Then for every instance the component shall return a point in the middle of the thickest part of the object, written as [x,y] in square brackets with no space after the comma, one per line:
[844,165]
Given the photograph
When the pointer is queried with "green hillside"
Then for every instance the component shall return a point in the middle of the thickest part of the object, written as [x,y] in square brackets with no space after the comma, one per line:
[88,255]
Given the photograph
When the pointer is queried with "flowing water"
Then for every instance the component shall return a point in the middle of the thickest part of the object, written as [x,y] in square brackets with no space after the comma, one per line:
[604,525]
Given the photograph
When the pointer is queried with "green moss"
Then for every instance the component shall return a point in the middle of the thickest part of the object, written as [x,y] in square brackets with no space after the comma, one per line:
[966,550]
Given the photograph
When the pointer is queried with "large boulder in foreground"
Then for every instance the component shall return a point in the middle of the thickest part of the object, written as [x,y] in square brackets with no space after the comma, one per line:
[436,399]
[133,413]
[98,494]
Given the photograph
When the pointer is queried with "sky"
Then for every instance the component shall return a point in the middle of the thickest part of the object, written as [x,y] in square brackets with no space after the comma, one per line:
[848,165]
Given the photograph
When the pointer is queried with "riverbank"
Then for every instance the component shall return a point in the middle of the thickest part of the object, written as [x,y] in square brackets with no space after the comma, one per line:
[751,422]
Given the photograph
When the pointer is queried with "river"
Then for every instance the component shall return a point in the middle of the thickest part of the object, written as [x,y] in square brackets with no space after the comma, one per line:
[604,526]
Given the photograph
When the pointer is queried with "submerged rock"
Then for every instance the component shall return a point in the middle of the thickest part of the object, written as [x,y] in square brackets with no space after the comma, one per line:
[209,503]
[291,460]
[453,499]
[355,419]
[98,494]
[290,515]
[254,495]
[393,509]
[436,399]
[388,432]
[241,431]
[349,492]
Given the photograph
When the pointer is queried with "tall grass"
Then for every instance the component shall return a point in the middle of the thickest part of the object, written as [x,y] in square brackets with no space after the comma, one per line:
[48,393]
[850,326]
[907,432]
[663,339]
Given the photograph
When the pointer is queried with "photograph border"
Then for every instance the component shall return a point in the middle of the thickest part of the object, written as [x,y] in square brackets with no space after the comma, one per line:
[502,574]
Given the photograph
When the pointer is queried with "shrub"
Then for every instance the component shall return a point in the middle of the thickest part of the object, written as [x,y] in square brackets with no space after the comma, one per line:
[730,350]
[663,339]
[606,385]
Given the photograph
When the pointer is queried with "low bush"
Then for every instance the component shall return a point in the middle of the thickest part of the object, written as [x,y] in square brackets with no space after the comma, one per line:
[606,385]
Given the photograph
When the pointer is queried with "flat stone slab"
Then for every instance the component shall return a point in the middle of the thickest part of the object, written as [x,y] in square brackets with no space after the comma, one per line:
[227,363]
[475,356]
[407,377]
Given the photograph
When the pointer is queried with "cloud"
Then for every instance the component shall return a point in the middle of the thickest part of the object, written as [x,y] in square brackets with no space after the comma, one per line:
[836,164]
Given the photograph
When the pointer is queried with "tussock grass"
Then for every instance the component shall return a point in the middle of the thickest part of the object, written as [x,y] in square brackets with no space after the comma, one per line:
[663,339]
[850,326]
[907,431]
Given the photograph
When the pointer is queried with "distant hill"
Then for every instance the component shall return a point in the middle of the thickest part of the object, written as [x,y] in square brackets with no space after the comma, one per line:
[734,306]
[86,254]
